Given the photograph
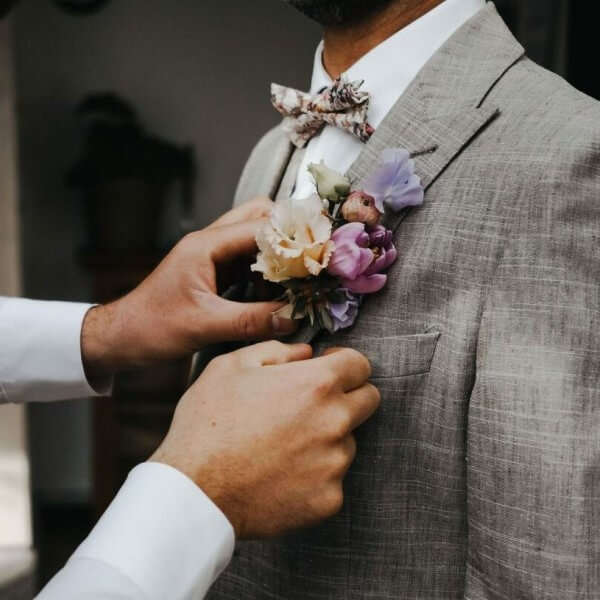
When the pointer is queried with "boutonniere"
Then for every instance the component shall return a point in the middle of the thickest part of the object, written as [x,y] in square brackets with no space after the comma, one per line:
[329,250]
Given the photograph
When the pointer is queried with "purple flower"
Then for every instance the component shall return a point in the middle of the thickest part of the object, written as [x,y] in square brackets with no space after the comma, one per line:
[361,256]
[394,182]
[344,313]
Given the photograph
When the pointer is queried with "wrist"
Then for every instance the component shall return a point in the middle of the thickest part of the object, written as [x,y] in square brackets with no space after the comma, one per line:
[209,481]
[98,344]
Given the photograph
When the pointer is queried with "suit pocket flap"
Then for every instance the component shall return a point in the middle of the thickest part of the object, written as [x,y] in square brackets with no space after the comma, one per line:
[398,355]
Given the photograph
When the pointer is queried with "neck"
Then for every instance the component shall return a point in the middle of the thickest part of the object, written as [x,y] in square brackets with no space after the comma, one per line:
[344,45]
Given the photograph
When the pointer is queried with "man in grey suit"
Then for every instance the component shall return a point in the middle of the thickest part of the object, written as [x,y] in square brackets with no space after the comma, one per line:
[480,476]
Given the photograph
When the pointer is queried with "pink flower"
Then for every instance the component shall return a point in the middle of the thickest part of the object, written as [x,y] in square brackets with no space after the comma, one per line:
[360,208]
[361,256]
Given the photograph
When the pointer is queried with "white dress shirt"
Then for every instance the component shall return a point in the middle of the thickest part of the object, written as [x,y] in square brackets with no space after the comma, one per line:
[387,70]
[161,537]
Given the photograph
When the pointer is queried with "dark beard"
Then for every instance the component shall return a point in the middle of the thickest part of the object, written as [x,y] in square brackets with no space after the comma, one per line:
[339,12]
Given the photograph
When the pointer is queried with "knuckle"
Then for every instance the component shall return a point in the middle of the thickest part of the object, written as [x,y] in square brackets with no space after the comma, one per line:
[261,205]
[333,500]
[327,502]
[358,361]
[323,384]
[271,350]
[341,423]
[375,394]
[351,448]
[341,460]
[274,346]
[190,241]
[362,364]
[221,362]
[330,377]
[245,324]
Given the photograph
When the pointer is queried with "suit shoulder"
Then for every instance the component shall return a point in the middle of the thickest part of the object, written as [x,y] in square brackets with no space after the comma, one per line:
[260,170]
[549,97]
[548,122]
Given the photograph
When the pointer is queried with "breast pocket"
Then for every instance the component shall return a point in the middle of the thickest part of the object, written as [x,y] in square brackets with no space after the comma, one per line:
[396,355]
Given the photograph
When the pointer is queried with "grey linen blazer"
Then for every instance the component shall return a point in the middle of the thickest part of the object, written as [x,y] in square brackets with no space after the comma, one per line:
[479,478]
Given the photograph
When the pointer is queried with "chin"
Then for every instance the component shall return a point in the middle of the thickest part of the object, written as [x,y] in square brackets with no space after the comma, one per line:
[330,13]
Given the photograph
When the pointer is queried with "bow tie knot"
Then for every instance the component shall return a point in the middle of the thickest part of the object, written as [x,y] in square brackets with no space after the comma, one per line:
[341,104]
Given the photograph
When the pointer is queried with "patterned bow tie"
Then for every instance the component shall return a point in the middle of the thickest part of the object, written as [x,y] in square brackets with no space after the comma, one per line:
[341,104]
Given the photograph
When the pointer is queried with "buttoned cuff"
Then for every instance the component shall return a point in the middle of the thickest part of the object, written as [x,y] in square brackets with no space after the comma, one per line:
[162,533]
[40,352]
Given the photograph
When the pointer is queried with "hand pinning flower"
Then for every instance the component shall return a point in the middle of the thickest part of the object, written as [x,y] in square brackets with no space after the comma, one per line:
[329,250]
[331,185]
[395,182]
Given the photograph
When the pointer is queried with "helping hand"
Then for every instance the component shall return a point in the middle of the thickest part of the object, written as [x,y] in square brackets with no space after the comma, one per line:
[177,309]
[266,432]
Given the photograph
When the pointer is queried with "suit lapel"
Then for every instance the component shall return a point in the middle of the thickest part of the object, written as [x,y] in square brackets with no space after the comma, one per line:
[265,168]
[443,109]
[288,181]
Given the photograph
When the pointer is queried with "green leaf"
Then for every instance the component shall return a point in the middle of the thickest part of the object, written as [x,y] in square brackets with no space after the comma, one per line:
[326,319]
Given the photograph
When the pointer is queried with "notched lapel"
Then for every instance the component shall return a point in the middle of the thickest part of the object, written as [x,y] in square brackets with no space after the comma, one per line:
[448,135]
[443,109]
[265,169]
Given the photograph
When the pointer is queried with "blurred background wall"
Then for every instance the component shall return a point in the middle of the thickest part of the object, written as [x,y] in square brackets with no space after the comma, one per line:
[199,73]
[16,558]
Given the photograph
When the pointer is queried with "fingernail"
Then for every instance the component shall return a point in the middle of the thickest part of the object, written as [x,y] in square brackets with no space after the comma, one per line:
[282,326]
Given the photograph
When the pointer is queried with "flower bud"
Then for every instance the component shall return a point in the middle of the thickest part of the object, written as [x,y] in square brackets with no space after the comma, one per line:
[360,208]
[331,185]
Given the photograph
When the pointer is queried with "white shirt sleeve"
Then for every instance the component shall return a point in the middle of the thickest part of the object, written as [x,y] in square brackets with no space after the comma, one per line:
[40,351]
[162,537]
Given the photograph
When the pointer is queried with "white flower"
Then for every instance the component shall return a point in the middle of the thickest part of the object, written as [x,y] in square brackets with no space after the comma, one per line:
[296,242]
[331,185]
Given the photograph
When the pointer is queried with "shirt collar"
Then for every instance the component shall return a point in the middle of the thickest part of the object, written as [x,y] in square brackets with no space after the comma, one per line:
[388,69]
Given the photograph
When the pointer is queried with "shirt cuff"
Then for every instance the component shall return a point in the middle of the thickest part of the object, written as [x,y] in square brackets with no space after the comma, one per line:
[163,533]
[40,351]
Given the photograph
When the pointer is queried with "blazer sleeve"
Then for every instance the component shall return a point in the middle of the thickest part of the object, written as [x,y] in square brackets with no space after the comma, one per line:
[162,537]
[40,352]
[534,415]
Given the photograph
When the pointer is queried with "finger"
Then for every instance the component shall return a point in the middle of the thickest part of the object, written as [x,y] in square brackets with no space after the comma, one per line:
[362,403]
[234,240]
[352,368]
[349,446]
[242,321]
[258,207]
[273,353]
[332,350]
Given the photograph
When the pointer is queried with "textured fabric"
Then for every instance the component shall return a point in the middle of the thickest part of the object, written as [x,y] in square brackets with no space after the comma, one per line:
[161,537]
[341,104]
[479,478]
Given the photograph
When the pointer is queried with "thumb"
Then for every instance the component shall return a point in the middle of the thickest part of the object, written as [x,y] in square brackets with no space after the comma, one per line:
[234,321]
